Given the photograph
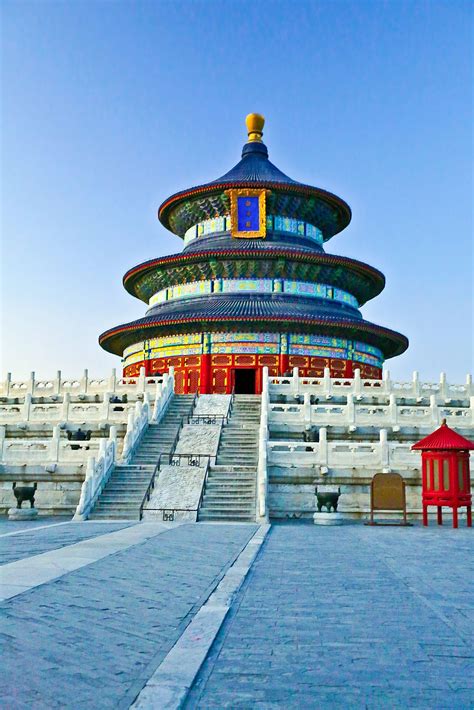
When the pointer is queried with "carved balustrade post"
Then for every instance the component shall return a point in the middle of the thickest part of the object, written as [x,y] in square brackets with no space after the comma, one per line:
[113,381]
[434,409]
[146,405]
[323,450]
[57,383]
[327,386]
[113,433]
[357,384]
[351,412]
[295,381]
[307,410]
[444,388]
[2,442]
[159,393]
[54,444]
[393,411]
[65,406]
[31,383]
[384,451]
[141,381]
[416,385]
[387,382]
[265,388]
[105,406]
[469,387]
[85,382]
[8,384]
[27,407]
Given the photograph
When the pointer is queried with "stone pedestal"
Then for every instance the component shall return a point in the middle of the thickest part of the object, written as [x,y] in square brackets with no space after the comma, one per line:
[327,518]
[22,514]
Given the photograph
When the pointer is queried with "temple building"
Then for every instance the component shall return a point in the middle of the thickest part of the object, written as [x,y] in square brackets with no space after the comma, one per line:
[253,286]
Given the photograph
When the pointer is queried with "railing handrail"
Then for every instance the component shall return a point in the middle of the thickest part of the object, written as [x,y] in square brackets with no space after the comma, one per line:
[203,487]
[207,418]
[150,487]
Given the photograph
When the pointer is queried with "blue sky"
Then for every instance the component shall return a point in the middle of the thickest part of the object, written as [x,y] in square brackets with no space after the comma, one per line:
[109,107]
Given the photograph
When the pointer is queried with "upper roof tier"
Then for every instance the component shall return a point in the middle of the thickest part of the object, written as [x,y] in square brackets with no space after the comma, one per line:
[287,197]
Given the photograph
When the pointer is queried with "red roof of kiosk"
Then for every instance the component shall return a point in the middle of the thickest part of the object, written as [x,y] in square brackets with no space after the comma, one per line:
[443,438]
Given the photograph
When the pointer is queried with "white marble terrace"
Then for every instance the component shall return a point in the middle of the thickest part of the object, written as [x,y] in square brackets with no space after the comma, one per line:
[359,428]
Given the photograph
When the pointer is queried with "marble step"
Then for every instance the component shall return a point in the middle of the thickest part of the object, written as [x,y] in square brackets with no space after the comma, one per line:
[226,516]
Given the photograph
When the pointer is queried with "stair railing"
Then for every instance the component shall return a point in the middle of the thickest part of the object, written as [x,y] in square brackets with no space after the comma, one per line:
[232,402]
[208,418]
[97,475]
[203,487]
[262,474]
[138,421]
[150,487]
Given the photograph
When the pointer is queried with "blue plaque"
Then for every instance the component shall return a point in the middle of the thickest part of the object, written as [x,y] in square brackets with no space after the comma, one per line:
[248,214]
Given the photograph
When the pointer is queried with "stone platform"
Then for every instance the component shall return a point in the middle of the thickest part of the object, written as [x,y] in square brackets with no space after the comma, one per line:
[220,616]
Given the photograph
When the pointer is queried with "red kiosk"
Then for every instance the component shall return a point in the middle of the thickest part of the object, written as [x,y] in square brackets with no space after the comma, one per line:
[445,477]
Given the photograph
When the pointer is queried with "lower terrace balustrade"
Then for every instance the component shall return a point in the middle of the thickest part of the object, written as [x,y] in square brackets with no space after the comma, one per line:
[328,387]
[354,415]
[74,386]
[342,454]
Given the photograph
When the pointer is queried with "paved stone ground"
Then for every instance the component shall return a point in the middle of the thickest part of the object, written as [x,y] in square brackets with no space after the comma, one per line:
[34,542]
[8,526]
[92,638]
[348,617]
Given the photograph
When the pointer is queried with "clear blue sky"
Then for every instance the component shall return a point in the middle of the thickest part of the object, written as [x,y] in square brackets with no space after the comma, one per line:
[109,107]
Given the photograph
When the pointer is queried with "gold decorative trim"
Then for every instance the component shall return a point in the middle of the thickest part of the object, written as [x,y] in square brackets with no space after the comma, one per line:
[261,233]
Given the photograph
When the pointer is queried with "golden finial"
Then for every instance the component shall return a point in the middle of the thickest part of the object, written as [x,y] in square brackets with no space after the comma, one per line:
[255,123]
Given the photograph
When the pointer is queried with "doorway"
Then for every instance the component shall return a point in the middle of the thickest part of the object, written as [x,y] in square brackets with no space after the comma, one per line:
[244,381]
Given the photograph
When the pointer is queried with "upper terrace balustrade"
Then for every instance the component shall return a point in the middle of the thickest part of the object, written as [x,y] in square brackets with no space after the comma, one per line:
[294,385]
[84,385]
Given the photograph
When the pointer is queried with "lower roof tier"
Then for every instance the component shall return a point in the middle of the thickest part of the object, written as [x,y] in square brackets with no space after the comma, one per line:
[356,277]
[264,318]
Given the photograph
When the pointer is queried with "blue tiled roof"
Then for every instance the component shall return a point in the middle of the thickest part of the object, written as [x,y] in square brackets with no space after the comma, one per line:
[260,306]
[255,167]
[225,241]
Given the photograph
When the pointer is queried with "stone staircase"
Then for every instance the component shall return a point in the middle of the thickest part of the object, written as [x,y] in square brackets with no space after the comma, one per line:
[123,494]
[231,484]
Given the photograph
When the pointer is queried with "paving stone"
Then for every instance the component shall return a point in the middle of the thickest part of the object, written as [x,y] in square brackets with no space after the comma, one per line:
[96,635]
[36,541]
[348,617]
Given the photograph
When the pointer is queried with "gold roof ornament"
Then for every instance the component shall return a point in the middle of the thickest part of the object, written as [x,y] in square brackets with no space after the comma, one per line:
[255,123]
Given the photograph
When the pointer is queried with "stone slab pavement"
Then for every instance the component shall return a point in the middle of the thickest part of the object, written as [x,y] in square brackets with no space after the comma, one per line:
[23,543]
[94,636]
[348,617]
[10,526]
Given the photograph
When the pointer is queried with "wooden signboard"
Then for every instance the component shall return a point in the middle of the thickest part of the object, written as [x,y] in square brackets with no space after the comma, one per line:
[387,492]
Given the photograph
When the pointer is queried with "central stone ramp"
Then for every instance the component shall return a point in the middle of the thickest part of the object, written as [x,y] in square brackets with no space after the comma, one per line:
[231,484]
[123,494]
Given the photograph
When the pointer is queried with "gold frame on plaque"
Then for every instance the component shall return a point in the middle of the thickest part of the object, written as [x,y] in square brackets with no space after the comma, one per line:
[261,233]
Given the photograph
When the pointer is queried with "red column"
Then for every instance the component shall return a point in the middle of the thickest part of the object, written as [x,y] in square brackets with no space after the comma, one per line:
[455,516]
[284,363]
[205,386]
